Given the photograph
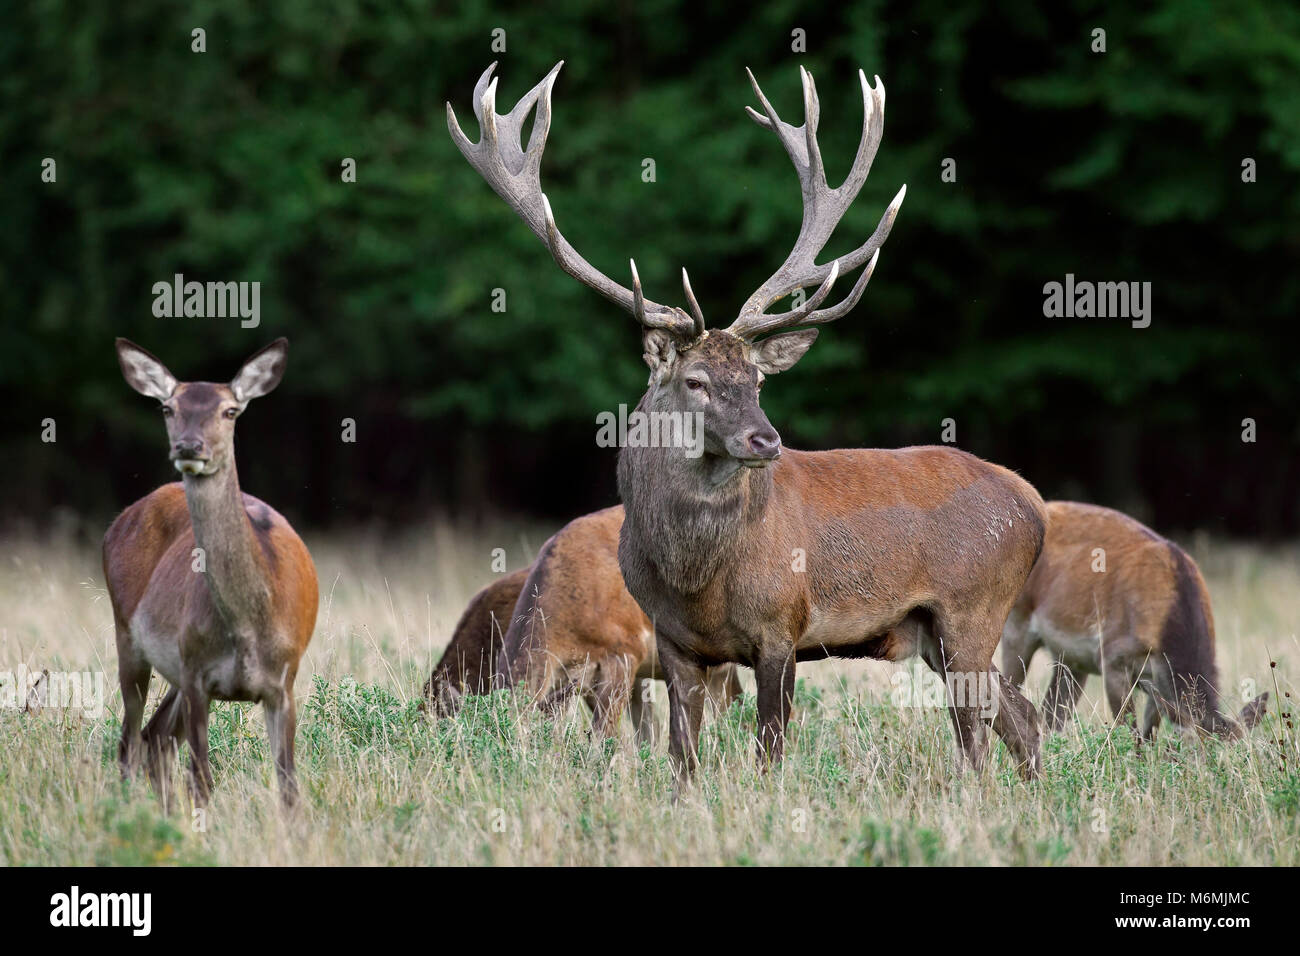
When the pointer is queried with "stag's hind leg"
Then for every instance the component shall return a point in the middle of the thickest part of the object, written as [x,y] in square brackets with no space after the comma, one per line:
[1016,722]
[724,685]
[961,675]
[961,652]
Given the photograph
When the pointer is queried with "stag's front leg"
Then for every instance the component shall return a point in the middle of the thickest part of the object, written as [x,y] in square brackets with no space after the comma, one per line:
[774,672]
[687,690]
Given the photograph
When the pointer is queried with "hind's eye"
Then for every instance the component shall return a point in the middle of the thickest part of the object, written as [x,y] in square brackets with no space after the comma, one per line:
[167,412]
[231,412]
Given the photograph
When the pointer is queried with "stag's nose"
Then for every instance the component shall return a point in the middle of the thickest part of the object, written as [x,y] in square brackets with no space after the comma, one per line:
[187,448]
[765,443]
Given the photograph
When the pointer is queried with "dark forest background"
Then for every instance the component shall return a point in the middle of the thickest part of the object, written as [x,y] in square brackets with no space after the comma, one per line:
[225,166]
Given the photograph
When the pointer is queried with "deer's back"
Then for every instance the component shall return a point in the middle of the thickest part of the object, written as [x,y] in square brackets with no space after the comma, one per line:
[574,606]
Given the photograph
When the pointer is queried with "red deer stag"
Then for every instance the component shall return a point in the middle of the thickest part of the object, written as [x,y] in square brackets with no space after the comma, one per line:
[564,626]
[1136,612]
[756,554]
[209,586]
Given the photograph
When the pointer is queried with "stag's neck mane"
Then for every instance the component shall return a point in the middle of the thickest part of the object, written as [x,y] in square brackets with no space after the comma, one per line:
[687,514]
[233,567]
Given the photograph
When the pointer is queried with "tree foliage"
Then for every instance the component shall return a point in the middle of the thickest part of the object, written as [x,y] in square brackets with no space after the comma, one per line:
[225,165]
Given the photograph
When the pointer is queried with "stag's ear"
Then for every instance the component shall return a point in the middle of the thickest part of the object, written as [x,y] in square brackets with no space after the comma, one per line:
[262,372]
[143,372]
[779,352]
[659,351]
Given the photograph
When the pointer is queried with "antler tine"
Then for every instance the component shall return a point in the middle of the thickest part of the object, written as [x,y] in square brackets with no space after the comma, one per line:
[823,208]
[515,175]
[696,312]
[763,324]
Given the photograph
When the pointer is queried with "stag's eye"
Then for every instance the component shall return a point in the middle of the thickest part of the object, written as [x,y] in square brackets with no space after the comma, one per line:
[694,384]
[231,412]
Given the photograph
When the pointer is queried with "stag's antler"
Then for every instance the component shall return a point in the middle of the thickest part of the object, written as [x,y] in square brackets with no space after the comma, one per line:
[822,209]
[515,174]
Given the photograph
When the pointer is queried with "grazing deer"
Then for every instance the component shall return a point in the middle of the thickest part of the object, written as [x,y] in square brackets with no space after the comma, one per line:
[209,586]
[577,630]
[564,626]
[1109,596]
[469,661]
[760,555]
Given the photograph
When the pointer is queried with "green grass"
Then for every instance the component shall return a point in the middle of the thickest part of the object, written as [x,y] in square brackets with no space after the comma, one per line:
[863,782]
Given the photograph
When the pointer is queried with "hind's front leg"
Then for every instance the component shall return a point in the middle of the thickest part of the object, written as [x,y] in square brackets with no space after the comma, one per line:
[281,728]
[195,706]
[134,674]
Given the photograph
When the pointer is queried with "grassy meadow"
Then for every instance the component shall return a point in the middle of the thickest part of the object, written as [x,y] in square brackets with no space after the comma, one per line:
[864,782]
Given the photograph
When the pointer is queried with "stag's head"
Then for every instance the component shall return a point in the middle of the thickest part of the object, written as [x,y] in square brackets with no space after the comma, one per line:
[717,373]
[200,416]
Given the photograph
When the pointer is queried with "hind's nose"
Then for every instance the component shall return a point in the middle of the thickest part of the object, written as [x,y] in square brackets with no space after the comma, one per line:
[188,448]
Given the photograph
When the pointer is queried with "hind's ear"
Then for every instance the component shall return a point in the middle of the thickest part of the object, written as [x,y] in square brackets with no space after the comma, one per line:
[143,372]
[262,372]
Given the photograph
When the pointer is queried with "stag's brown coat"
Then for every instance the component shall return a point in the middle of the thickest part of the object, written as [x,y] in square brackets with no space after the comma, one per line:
[1109,596]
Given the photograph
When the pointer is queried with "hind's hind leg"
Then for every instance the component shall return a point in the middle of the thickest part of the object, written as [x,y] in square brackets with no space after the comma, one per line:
[1150,720]
[641,709]
[1121,690]
[1062,695]
[161,738]
[610,695]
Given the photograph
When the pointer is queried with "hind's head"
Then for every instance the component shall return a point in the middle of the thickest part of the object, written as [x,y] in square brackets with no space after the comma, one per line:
[200,416]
